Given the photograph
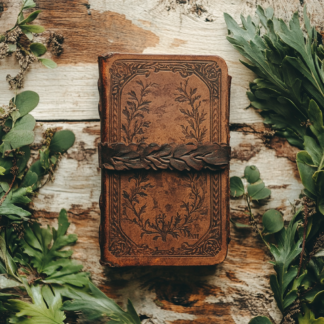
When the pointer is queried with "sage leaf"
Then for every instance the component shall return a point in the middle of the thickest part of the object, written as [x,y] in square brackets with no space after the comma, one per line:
[313,149]
[38,49]
[32,28]
[30,179]
[306,171]
[252,174]
[62,141]
[48,63]
[236,187]
[26,101]
[19,138]
[272,221]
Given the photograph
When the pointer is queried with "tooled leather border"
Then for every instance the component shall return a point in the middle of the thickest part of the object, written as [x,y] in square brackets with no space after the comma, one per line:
[209,72]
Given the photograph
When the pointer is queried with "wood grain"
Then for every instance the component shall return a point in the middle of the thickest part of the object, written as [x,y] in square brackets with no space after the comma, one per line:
[232,292]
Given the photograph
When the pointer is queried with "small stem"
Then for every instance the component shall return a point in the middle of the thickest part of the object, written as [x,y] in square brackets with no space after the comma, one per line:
[10,187]
[304,238]
[253,219]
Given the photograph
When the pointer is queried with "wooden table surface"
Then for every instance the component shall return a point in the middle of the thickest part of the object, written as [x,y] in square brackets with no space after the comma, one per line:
[232,292]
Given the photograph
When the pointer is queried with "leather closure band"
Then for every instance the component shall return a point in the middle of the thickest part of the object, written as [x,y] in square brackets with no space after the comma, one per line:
[121,156]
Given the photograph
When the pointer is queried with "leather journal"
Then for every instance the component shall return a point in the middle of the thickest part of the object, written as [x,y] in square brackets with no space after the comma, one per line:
[164,158]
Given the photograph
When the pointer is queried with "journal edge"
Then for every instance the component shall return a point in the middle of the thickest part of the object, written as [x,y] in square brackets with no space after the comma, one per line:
[107,259]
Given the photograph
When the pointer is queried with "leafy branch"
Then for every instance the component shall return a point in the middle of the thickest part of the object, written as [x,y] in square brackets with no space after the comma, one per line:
[134,111]
[195,116]
[19,41]
[289,92]
[161,227]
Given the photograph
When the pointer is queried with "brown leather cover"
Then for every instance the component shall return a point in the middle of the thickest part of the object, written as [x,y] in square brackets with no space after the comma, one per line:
[164,155]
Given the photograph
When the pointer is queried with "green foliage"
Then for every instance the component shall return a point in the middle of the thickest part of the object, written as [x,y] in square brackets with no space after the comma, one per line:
[45,308]
[256,190]
[95,305]
[44,248]
[289,92]
[61,141]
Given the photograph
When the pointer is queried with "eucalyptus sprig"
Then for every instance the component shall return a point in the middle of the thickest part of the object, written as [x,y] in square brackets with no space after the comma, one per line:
[25,49]
[289,93]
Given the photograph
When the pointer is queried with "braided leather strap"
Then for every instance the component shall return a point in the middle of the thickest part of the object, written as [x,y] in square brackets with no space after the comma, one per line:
[120,156]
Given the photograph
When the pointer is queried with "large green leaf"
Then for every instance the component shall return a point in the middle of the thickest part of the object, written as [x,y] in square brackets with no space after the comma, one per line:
[252,174]
[26,101]
[285,252]
[38,49]
[236,187]
[306,171]
[19,138]
[45,308]
[95,305]
[44,247]
[62,141]
[272,221]
[258,190]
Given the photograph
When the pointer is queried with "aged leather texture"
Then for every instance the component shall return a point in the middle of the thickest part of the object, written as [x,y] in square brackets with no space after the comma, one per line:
[164,158]
[191,156]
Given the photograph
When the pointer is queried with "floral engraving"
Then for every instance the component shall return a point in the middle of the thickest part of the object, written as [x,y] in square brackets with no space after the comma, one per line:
[137,106]
[194,115]
[181,224]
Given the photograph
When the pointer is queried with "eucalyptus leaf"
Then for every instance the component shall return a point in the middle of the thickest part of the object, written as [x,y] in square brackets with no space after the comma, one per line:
[236,187]
[252,174]
[272,221]
[28,4]
[26,101]
[258,190]
[19,138]
[62,141]
[26,123]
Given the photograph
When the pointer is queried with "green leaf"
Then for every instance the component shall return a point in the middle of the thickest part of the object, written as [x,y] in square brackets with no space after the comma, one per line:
[316,119]
[236,187]
[30,179]
[44,310]
[29,4]
[272,221]
[260,320]
[38,49]
[30,18]
[32,28]
[306,171]
[252,174]
[12,47]
[26,123]
[26,101]
[48,63]
[308,317]
[62,141]
[44,247]
[19,138]
[313,149]
[2,170]
[95,305]
[239,225]
[258,191]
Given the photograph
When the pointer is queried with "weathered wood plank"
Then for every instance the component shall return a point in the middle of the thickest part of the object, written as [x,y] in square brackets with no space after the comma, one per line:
[160,26]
